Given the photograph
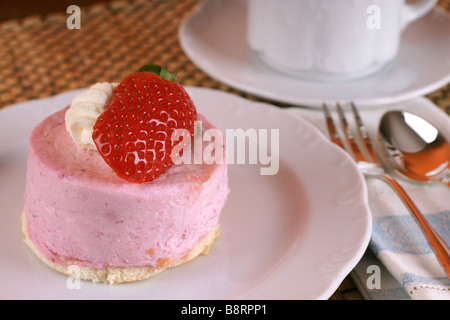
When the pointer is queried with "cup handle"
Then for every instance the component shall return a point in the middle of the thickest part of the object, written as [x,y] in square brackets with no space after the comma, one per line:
[416,10]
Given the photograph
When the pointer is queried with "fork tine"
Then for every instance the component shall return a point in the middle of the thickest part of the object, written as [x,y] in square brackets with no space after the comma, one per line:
[353,148]
[362,131]
[334,135]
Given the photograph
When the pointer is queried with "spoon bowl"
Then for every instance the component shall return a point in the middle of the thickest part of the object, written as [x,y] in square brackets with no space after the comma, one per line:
[414,147]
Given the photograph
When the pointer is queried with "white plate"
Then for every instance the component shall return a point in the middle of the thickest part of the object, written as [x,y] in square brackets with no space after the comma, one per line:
[293,235]
[214,38]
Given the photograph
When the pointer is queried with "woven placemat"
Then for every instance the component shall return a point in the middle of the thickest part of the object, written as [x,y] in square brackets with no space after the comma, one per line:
[41,57]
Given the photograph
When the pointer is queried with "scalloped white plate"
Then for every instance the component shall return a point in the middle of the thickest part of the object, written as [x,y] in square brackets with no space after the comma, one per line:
[214,38]
[292,235]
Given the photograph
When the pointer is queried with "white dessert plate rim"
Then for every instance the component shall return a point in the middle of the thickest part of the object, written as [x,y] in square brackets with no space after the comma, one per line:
[219,48]
[333,230]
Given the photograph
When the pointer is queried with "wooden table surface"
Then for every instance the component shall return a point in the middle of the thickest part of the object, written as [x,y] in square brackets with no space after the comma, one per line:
[40,57]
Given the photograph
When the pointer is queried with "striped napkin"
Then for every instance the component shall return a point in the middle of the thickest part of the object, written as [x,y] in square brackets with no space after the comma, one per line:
[399,263]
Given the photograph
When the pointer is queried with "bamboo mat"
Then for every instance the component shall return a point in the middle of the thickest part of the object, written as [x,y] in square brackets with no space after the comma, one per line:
[40,56]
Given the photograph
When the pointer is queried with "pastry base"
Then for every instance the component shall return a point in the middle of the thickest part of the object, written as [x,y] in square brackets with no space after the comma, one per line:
[114,275]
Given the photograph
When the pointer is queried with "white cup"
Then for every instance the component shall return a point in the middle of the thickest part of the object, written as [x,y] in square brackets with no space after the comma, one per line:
[329,39]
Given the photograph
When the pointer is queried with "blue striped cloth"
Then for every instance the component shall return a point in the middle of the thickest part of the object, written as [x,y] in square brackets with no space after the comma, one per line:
[399,256]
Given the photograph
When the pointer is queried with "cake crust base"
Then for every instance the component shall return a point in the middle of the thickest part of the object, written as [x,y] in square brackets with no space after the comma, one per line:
[115,275]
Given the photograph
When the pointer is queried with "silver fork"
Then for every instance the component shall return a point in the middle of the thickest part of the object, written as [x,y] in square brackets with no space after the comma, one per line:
[369,164]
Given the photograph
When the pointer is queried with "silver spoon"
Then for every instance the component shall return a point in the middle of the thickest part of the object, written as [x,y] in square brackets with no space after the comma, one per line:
[414,147]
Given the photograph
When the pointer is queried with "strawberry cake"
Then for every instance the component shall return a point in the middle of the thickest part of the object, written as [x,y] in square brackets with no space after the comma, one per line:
[104,199]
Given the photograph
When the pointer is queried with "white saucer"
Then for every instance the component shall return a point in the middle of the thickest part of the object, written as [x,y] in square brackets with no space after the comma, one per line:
[214,38]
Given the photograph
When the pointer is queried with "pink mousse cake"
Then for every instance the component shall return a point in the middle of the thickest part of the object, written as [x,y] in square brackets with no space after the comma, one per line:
[86,222]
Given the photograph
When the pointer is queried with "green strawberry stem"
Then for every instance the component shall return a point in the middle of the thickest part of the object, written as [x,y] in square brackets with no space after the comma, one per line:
[160,71]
